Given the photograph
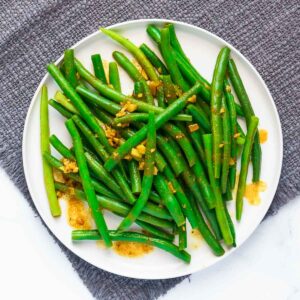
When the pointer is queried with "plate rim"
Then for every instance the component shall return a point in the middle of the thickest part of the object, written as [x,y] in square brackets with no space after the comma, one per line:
[248,63]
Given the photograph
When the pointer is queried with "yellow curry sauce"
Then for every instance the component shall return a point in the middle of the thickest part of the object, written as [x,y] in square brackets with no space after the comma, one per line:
[252,192]
[132,249]
[263,135]
[196,239]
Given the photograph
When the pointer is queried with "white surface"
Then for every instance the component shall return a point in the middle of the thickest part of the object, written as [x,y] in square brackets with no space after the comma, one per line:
[33,267]
[158,264]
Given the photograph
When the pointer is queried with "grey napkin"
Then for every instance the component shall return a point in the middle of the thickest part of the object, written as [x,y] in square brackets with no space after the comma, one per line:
[33,33]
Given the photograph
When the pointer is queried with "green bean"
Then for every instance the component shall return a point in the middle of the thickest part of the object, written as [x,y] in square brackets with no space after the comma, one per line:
[78,235]
[227,196]
[252,129]
[204,106]
[139,92]
[227,146]
[114,77]
[172,153]
[169,89]
[154,231]
[86,183]
[184,143]
[216,101]
[135,177]
[199,116]
[69,68]
[160,97]
[98,100]
[231,225]
[98,67]
[233,130]
[83,109]
[162,118]
[169,199]
[154,33]
[175,43]
[65,102]
[205,231]
[102,174]
[147,177]
[60,147]
[220,210]
[134,73]
[134,50]
[181,197]
[248,111]
[64,112]
[182,244]
[45,149]
[53,161]
[143,117]
[168,55]
[196,139]
[154,59]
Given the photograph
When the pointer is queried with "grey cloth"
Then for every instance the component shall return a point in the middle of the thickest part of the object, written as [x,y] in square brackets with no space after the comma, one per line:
[33,33]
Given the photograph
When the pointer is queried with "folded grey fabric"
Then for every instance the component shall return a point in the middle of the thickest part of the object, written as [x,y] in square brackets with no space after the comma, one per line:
[33,33]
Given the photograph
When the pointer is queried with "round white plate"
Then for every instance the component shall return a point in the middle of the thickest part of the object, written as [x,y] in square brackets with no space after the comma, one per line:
[202,48]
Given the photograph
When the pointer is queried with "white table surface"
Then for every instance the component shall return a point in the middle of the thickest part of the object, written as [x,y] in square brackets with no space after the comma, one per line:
[33,267]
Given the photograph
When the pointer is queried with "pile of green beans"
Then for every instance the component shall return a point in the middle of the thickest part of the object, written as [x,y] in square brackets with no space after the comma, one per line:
[163,158]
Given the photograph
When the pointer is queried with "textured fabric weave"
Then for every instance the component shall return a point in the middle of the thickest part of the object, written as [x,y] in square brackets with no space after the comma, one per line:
[33,33]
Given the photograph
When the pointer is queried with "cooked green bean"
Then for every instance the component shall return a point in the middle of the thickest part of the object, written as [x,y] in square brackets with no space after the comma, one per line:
[179,136]
[172,153]
[69,68]
[233,130]
[248,111]
[134,73]
[154,59]
[160,97]
[134,50]
[154,231]
[65,102]
[53,161]
[169,199]
[143,117]
[102,174]
[60,147]
[169,89]
[181,197]
[61,109]
[182,244]
[114,77]
[45,149]
[168,55]
[98,100]
[215,104]
[252,129]
[79,235]
[135,177]
[98,67]
[162,118]
[147,177]
[199,116]
[220,210]
[86,183]
[227,146]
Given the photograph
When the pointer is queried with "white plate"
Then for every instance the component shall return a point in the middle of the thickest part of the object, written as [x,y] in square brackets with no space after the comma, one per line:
[202,48]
